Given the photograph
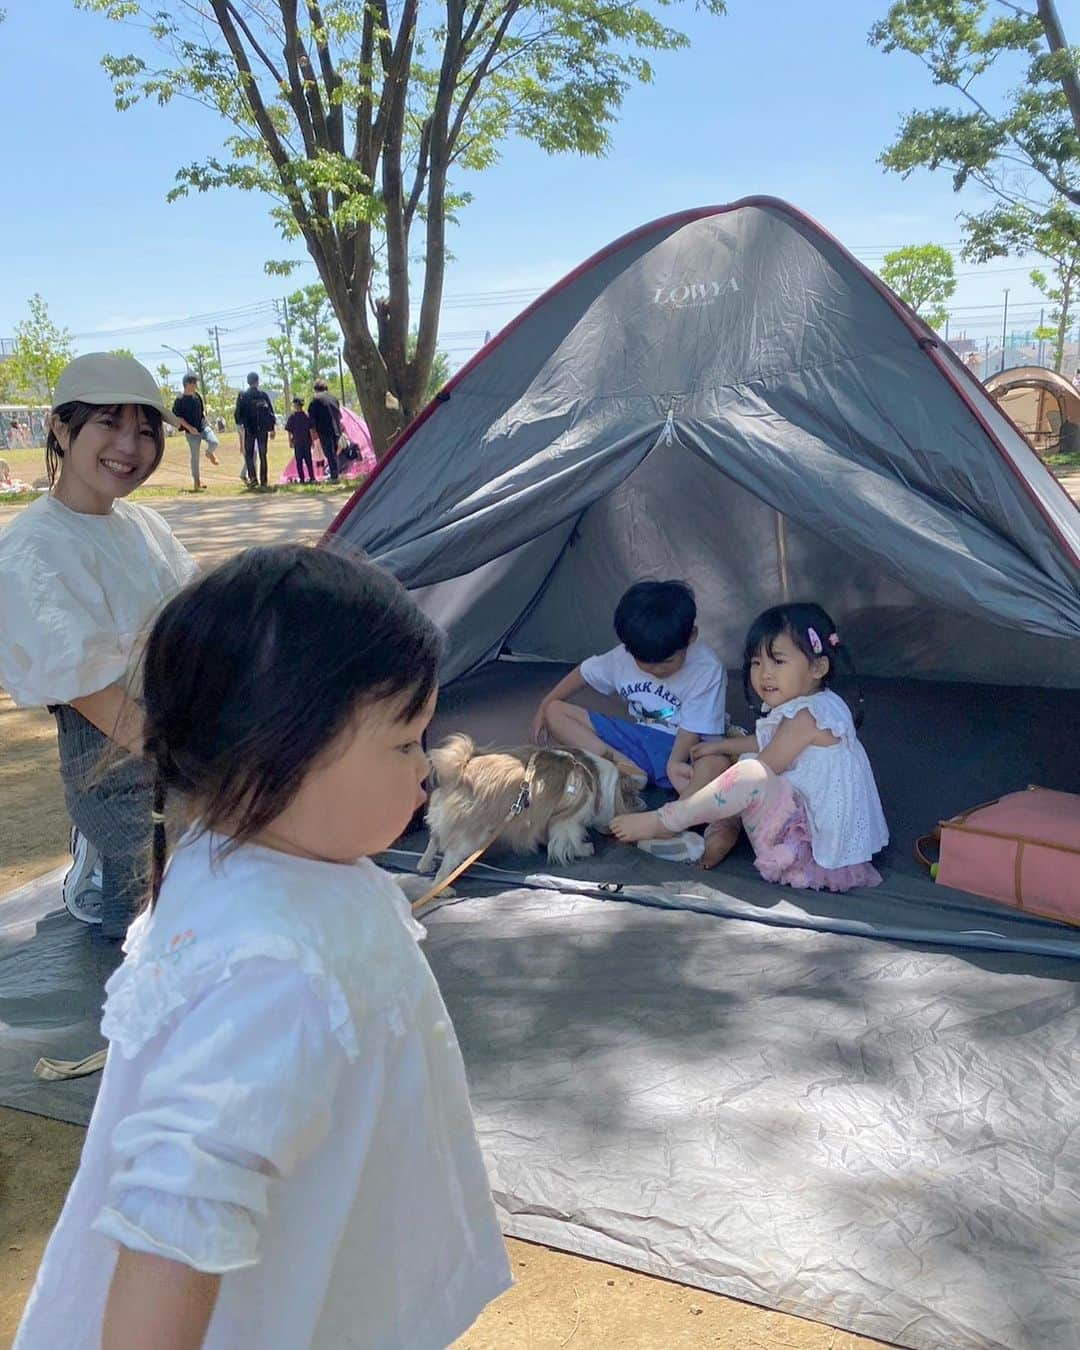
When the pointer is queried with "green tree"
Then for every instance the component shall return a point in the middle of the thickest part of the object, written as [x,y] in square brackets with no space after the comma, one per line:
[315,339]
[1054,234]
[123,351]
[1016,81]
[282,367]
[922,275]
[203,363]
[42,350]
[164,381]
[354,115]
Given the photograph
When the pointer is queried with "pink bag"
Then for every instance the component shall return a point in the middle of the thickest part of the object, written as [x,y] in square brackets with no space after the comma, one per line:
[1023,849]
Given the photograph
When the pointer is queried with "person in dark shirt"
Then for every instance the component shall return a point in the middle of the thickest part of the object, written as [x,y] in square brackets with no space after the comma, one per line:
[191,411]
[255,417]
[299,428]
[325,413]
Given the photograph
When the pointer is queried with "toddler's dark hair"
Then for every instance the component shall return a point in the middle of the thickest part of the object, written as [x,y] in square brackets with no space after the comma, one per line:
[655,619]
[251,673]
[76,415]
[802,622]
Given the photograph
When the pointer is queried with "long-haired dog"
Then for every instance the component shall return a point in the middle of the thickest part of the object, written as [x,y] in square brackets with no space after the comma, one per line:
[559,795]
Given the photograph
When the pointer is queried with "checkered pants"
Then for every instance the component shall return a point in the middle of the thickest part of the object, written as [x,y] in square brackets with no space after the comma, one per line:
[110,804]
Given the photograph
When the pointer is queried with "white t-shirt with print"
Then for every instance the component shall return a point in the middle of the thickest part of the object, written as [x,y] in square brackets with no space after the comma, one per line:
[693,699]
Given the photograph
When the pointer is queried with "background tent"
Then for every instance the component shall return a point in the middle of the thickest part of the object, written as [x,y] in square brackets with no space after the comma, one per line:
[360,467]
[1042,403]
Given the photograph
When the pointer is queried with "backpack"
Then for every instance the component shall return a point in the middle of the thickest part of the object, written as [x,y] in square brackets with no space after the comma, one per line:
[263,411]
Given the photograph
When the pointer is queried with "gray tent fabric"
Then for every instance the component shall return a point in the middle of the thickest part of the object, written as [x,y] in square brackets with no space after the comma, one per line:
[728,395]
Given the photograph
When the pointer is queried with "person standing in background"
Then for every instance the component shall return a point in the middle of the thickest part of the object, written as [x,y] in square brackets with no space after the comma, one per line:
[190,412]
[257,422]
[299,428]
[325,413]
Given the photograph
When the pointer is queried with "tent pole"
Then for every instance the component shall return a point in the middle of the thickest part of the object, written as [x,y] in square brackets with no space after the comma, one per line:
[781,558]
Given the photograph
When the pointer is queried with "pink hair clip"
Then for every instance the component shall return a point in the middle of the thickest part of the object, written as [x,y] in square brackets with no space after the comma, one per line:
[815,641]
[834,639]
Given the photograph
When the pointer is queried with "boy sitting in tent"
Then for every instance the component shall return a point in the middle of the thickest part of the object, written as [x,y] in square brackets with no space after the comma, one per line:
[674,688]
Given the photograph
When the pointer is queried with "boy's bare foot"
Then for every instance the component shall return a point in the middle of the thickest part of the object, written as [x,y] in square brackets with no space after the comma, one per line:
[720,839]
[212,457]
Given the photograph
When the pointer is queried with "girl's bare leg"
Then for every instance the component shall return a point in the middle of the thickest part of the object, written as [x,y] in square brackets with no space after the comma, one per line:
[741,792]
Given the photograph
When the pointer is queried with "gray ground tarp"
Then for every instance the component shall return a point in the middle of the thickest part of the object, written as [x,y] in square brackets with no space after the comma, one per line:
[877,1135]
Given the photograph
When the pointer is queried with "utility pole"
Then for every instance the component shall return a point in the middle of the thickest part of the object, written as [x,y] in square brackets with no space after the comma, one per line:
[341,376]
[1042,312]
[1004,323]
[986,360]
[287,321]
[946,330]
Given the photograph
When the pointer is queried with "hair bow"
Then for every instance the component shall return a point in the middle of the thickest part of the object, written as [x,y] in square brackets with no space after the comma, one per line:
[834,639]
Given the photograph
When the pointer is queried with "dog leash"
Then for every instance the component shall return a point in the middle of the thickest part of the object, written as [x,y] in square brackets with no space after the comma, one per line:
[56,1070]
[521,803]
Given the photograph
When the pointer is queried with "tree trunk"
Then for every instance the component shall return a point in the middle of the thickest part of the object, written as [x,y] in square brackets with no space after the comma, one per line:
[1055,40]
[1063,325]
[369,375]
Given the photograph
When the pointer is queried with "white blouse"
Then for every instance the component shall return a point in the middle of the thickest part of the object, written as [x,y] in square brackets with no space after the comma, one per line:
[835,782]
[77,592]
[284,1102]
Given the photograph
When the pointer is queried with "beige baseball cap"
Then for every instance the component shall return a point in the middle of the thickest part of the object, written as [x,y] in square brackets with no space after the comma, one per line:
[101,377]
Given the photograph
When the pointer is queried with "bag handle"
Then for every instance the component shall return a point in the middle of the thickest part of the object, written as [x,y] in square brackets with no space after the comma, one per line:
[933,837]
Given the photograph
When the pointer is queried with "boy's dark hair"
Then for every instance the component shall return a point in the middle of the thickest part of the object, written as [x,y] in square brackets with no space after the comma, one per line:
[802,622]
[298,402]
[655,619]
[252,671]
[320,386]
[76,415]
[189,378]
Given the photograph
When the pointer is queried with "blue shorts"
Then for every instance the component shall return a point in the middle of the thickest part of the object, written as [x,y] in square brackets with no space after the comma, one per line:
[646,747]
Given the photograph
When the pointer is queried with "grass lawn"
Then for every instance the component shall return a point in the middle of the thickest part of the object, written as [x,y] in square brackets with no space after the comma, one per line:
[173,475]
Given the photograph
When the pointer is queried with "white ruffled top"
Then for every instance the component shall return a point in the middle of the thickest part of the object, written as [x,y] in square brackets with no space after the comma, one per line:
[284,1103]
[835,782]
[78,593]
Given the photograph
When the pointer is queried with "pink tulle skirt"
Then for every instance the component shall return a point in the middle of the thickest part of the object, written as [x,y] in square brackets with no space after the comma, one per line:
[782,851]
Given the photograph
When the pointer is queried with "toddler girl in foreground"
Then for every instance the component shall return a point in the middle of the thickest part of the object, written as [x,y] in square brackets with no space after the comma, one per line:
[803,789]
[282,1153]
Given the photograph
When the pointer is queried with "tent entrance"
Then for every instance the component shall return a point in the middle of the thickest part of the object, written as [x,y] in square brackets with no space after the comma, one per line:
[678,513]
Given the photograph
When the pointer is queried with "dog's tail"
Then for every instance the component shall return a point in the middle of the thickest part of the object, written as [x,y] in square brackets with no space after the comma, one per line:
[449,759]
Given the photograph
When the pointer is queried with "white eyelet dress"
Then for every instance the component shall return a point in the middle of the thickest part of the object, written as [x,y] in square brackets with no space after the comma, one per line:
[833,823]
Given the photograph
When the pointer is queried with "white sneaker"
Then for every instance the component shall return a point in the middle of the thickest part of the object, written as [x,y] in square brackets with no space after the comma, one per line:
[82,884]
[687,847]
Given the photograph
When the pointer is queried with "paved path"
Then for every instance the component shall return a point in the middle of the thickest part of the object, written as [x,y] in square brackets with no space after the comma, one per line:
[214,528]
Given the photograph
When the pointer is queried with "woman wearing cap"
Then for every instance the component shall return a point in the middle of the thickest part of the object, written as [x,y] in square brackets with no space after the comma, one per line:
[84,573]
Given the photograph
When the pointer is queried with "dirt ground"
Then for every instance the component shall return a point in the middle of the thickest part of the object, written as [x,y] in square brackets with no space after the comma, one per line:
[558,1300]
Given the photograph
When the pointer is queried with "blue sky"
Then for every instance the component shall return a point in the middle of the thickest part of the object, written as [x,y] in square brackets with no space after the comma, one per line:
[780,96]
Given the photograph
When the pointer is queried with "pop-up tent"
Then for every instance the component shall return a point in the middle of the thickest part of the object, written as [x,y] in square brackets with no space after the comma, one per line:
[699,1074]
[728,396]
